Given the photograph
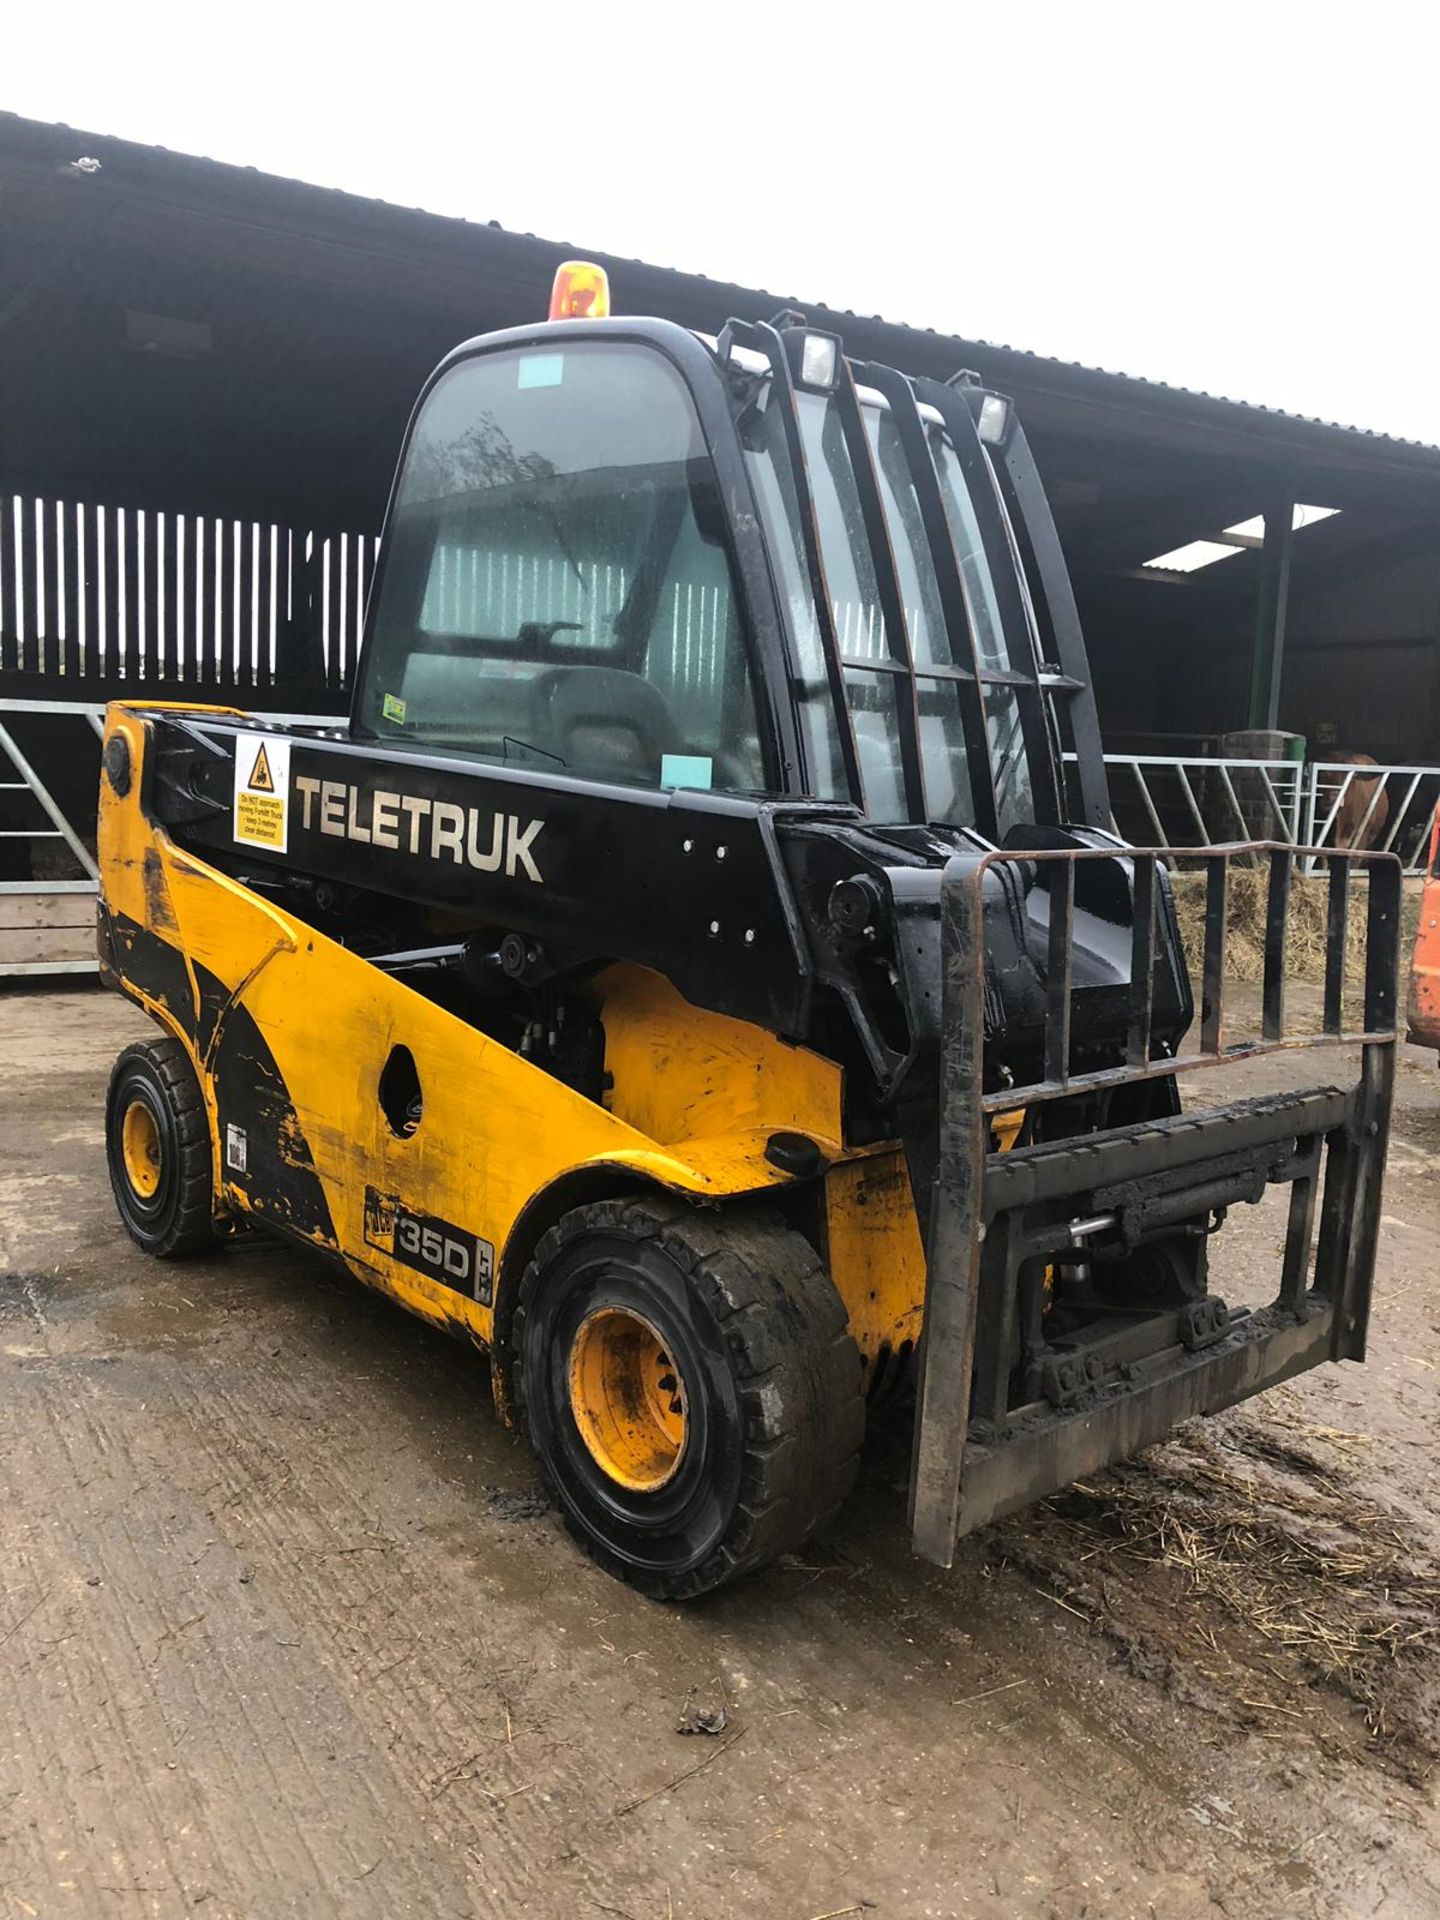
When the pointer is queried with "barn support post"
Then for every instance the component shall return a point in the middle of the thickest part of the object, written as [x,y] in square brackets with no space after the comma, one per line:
[1268,652]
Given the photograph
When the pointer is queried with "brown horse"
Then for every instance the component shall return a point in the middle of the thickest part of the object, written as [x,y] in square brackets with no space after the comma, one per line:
[1350,828]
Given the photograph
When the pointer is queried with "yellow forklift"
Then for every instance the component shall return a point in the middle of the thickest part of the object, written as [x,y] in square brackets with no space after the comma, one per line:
[703,974]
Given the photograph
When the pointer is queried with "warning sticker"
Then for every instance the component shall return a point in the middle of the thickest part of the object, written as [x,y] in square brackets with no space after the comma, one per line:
[262,791]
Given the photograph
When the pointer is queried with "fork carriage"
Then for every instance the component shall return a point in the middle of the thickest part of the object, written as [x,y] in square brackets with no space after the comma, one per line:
[1013,1232]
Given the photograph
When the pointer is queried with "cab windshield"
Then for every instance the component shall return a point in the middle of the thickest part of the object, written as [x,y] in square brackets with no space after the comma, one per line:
[557,589]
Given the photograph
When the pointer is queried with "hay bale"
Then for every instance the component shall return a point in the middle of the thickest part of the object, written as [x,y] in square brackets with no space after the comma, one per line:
[1306,935]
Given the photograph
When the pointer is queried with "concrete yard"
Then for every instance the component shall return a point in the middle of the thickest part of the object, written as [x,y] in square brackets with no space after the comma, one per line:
[286,1628]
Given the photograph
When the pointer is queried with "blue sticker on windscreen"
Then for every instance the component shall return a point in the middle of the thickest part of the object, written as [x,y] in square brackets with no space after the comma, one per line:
[542,369]
[686,770]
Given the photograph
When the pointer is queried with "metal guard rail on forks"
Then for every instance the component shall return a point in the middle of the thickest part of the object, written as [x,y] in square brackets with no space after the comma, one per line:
[987,1440]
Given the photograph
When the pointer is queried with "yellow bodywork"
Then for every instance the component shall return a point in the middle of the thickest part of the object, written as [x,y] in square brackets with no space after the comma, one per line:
[502,1145]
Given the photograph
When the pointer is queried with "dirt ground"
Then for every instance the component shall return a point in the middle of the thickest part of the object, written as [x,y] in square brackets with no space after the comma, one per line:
[286,1628]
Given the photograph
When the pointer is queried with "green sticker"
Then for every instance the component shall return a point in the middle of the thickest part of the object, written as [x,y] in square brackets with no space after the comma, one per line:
[393,708]
[541,370]
[686,770]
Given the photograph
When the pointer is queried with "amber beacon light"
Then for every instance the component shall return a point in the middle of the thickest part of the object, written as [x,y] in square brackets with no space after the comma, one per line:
[581,292]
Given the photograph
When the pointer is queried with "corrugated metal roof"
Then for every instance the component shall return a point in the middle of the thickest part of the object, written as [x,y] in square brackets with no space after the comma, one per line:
[1253,412]
[1217,399]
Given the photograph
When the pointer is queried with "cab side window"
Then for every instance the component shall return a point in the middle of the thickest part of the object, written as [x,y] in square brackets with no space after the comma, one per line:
[697,660]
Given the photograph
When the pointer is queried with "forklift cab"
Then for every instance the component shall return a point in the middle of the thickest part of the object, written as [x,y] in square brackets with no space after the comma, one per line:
[622,553]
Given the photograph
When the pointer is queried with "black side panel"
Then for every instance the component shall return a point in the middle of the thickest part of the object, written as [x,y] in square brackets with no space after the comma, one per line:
[260,1127]
[279,1172]
[682,882]
[141,959]
[213,997]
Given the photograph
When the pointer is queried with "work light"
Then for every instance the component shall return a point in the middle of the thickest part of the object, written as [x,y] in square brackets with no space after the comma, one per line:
[814,357]
[994,420]
[819,360]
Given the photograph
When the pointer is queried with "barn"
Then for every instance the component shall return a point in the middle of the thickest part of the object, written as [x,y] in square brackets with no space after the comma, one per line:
[205,372]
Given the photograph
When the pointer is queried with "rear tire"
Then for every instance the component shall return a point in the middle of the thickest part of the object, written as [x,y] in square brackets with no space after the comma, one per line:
[690,1385]
[157,1143]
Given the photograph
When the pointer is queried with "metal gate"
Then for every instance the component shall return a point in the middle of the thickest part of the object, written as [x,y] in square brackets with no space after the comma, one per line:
[48,877]
[102,601]
[49,881]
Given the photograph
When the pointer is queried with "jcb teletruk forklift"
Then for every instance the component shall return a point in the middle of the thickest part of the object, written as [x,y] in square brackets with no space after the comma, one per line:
[703,973]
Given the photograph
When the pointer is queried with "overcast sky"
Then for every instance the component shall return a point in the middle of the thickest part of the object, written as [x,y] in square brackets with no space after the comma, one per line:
[1237,198]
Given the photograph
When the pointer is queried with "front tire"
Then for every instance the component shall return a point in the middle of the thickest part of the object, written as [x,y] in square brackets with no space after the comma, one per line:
[157,1143]
[691,1388]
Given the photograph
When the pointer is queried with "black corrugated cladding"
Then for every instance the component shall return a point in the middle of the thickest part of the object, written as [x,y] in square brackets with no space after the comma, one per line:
[180,334]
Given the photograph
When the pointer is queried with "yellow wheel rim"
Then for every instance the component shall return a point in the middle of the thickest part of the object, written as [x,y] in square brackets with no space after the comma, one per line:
[627,1399]
[140,1148]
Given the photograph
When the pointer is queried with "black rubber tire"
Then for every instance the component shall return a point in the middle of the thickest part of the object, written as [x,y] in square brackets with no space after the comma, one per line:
[176,1220]
[776,1408]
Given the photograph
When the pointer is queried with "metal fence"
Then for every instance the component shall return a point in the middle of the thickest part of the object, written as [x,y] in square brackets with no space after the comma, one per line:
[1385,809]
[1181,802]
[1185,801]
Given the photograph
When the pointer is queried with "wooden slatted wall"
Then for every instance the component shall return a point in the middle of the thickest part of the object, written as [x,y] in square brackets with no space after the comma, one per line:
[94,598]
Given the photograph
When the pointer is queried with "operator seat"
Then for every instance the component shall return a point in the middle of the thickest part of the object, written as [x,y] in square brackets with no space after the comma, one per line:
[604,722]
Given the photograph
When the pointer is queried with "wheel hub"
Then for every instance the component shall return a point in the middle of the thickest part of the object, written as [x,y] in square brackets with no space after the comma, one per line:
[627,1399]
[140,1149]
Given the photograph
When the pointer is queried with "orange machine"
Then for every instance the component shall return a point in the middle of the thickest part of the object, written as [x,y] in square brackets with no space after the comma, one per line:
[1425,967]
